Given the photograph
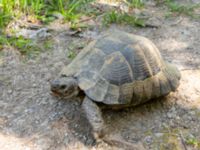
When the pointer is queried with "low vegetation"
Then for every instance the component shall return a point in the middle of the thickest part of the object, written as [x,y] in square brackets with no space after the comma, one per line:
[178,8]
[45,11]
[192,141]
[135,3]
[122,18]
[25,46]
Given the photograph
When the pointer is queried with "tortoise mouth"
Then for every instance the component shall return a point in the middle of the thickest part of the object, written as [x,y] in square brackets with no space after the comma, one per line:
[56,93]
[64,95]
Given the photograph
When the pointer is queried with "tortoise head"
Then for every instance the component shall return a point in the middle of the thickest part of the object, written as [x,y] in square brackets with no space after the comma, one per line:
[65,87]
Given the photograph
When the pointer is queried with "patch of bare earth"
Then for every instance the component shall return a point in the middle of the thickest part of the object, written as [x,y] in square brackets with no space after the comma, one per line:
[30,118]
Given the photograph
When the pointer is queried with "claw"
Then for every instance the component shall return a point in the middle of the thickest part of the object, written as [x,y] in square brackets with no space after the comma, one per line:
[119,142]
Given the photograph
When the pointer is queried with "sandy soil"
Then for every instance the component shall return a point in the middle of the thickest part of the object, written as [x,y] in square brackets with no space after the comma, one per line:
[30,118]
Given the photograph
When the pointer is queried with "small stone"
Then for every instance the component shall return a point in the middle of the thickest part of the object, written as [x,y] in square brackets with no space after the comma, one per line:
[148,139]
[10,91]
[178,118]
[58,64]
[34,85]
[58,15]
[66,140]
[158,134]
[40,34]
[192,113]
[190,136]
[124,7]
[189,118]
[76,134]
[173,109]
[169,115]
[18,88]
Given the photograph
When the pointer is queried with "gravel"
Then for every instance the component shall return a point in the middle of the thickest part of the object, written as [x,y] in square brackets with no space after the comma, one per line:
[31,118]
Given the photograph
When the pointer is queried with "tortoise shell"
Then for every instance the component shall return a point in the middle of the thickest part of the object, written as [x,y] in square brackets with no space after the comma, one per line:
[122,68]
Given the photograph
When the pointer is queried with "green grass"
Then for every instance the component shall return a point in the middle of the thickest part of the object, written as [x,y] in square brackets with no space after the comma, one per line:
[135,3]
[10,9]
[5,12]
[193,142]
[70,9]
[43,10]
[122,18]
[25,46]
[188,9]
[71,54]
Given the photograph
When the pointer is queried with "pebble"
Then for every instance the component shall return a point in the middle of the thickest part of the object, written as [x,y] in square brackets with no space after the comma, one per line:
[170,115]
[34,85]
[192,113]
[18,88]
[58,15]
[177,118]
[189,118]
[191,136]
[40,34]
[158,135]
[148,139]
[10,91]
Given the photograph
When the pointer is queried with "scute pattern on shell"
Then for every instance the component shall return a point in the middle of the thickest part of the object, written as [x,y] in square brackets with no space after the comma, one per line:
[123,68]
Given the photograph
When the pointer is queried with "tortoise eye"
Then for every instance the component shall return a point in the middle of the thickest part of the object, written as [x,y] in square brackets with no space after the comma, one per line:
[63,86]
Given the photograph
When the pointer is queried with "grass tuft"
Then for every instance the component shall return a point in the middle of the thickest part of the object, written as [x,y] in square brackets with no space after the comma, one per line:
[25,46]
[122,18]
[188,10]
[135,3]
[193,142]
[43,10]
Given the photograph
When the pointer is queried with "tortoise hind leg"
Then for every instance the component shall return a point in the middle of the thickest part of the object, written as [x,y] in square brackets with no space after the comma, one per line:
[94,116]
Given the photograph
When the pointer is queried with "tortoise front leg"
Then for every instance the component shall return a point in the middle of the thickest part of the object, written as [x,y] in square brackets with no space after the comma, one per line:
[94,116]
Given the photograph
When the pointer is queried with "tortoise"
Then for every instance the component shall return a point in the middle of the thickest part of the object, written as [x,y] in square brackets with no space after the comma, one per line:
[116,70]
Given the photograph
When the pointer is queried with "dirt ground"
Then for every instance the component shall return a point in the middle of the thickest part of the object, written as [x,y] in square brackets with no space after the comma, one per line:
[31,119]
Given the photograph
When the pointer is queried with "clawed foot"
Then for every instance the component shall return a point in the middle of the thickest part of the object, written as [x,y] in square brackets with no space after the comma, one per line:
[94,116]
[99,135]
[118,141]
